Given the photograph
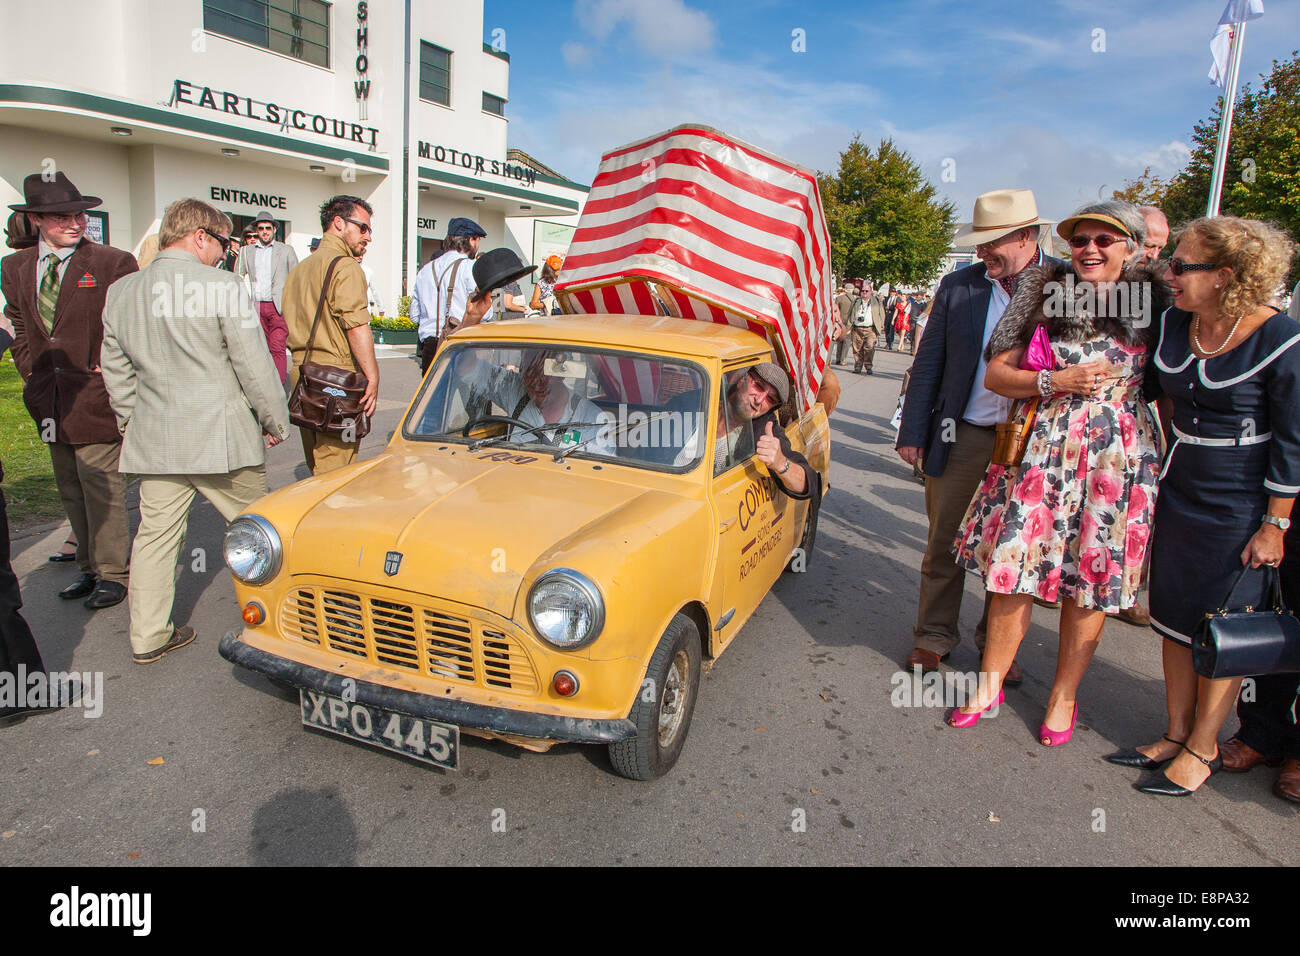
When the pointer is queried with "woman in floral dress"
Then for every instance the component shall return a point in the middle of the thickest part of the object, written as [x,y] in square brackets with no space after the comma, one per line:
[1073,521]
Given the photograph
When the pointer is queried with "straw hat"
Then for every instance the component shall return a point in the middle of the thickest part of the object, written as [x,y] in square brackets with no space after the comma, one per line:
[998,213]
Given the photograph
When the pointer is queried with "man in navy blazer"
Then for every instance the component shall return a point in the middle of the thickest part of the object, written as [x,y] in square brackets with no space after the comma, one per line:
[948,414]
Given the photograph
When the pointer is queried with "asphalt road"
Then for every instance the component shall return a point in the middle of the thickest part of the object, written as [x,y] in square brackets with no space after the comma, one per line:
[796,753]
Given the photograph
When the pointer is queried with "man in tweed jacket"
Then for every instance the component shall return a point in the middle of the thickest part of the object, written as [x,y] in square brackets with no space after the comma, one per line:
[194,390]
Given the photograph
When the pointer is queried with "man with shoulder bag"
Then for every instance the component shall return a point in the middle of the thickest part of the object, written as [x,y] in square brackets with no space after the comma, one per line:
[444,286]
[334,380]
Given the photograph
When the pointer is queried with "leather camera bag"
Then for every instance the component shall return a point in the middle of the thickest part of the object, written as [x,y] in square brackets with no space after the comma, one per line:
[1011,436]
[328,399]
[1246,642]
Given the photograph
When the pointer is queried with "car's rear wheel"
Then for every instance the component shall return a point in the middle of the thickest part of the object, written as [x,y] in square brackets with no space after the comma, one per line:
[664,705]
[809,537]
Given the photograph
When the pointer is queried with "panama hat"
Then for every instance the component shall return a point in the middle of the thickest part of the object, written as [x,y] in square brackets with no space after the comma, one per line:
[998,213]
[56,195]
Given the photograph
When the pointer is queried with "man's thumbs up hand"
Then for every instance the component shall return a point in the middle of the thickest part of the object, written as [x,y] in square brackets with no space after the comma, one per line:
[768,449]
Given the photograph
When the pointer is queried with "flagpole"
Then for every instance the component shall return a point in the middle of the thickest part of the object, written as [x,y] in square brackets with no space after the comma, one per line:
[1225,118]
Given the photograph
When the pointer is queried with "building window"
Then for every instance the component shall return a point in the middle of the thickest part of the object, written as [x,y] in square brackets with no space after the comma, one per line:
[297,28]
[494,105]
[435,74]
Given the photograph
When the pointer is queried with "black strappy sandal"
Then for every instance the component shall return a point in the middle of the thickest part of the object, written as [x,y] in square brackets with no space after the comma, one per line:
[1135,758]
[1160,784]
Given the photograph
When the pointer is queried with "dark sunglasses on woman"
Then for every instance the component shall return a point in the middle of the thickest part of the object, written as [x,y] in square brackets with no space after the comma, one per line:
[1178,266]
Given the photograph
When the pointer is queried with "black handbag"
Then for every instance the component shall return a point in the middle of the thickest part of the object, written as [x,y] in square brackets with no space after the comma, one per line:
[1245,642]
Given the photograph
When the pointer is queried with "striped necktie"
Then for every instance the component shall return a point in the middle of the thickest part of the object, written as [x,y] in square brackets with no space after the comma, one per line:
[49,294]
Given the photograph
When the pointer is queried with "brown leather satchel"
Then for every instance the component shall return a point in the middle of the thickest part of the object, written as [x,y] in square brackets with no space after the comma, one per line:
[328,399]
[1011,437]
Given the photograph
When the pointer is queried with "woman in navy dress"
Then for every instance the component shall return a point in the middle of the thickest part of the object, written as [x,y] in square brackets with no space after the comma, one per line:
[1228,368]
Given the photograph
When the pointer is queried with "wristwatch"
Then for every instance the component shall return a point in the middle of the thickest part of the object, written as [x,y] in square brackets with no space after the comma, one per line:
[1280,523]
[787,468]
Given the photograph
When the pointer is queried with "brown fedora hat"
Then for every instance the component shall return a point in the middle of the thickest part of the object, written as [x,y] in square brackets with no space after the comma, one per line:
[57,195]
[1000,212]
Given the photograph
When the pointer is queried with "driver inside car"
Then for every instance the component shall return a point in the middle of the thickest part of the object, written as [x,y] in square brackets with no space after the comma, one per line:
[537,395]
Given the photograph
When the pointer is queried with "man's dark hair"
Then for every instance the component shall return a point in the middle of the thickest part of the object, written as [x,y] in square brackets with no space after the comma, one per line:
[345,206]
[457,243]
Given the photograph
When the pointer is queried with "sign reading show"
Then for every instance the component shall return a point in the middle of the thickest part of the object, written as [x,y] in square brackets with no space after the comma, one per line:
[362,83]
[478,165]
[285,117]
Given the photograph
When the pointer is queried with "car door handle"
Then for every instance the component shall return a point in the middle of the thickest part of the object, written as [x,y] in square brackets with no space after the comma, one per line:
[726,525]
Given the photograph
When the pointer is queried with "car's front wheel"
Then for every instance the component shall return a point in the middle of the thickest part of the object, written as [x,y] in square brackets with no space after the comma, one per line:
[664,704]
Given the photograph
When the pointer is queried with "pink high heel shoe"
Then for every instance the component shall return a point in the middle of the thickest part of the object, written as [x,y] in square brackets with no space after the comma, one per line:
[956,718]
[1054,738]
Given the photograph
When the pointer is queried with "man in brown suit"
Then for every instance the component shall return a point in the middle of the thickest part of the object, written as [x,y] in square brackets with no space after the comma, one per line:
[54,296]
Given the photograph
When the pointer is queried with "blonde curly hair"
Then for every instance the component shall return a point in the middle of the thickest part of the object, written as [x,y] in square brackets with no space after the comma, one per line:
[1258,254]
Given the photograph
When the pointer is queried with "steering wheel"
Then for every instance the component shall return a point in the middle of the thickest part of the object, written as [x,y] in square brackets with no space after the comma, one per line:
[508,420]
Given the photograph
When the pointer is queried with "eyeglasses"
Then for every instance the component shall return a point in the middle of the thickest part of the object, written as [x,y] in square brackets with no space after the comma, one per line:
[224,240]
[64,218]
[1178,266]
[1102,241]
[267,226]
[363,226]
[767,388]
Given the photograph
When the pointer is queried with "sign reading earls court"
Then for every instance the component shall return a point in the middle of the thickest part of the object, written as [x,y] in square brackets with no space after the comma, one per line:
[478,165]
[276,114]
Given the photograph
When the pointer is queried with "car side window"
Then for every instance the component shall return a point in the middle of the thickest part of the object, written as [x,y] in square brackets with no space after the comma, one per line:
[739,434]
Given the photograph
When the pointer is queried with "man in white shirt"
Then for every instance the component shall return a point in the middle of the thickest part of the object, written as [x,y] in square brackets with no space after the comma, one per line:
[443,287]
[267,264]
[948,414]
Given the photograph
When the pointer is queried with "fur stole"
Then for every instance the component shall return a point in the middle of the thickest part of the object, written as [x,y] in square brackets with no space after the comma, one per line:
[1074,311]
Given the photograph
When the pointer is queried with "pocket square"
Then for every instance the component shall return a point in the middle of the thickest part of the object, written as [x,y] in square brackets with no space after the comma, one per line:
[87,281]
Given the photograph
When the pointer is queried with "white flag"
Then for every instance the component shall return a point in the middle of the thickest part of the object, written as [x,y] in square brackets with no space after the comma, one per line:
[1237,11]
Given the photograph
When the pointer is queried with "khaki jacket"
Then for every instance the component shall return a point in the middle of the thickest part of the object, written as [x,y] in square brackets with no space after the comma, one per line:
[188,372]
[345,305]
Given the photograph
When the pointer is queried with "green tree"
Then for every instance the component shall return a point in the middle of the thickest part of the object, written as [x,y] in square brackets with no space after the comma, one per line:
[1260,180]
[884,218]
[1146,190]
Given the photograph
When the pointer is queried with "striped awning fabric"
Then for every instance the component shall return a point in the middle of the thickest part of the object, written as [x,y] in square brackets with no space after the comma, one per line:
[696,224]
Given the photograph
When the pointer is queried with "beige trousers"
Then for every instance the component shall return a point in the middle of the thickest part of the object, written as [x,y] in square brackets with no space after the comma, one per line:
[94,499]
[942,579]
[164,515]
[325,453]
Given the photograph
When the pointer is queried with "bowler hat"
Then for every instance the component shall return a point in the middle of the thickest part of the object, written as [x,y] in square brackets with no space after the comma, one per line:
[497,268]
[998,213]
[264,216]
[56,195]
[460,226]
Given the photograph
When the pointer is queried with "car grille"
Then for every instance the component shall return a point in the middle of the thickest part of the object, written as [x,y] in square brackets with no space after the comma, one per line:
[442,641]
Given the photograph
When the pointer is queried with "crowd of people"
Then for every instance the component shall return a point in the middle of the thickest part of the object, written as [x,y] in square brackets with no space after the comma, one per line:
[1155,403]
[1156,399]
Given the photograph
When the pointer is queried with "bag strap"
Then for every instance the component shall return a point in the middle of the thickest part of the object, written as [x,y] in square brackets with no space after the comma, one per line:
[1274,584]
[320,308]
[1029,408]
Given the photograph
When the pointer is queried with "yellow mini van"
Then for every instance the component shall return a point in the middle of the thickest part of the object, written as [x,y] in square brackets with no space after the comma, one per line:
[492,574]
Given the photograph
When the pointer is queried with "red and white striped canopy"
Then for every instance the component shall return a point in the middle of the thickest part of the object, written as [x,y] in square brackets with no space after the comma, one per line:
[722,231]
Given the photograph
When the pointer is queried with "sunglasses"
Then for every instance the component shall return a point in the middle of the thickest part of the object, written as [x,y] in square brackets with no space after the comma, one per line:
[224,240]
[363,226]
[1102,242]
[1178,266]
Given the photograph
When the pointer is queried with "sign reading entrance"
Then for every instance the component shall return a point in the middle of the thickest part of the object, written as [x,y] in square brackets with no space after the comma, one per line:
[261,200]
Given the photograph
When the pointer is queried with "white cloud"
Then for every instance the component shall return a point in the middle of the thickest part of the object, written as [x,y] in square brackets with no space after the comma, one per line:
[575,54]
[667,29]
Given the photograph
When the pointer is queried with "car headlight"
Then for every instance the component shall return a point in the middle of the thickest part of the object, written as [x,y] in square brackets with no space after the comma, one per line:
[566,608]
[252,549]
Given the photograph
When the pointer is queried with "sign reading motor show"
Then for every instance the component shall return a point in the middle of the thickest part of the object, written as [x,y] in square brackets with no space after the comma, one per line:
[476,164]
[277,114]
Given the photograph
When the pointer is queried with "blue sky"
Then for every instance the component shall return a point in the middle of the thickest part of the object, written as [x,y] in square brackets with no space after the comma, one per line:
[1013,93]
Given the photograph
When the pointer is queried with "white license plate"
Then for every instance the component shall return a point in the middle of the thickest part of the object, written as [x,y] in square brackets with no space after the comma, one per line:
[424,740]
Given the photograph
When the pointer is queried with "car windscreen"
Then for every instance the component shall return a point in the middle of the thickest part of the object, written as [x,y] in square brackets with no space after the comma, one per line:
[631,408]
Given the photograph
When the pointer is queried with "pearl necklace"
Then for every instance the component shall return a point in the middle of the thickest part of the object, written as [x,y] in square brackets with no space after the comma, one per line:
[1196,327]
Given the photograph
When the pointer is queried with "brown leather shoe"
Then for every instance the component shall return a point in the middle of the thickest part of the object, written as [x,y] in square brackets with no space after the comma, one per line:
[926,660]
[1014,676]
[1136,614]
[1239,756]
[1288,781]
